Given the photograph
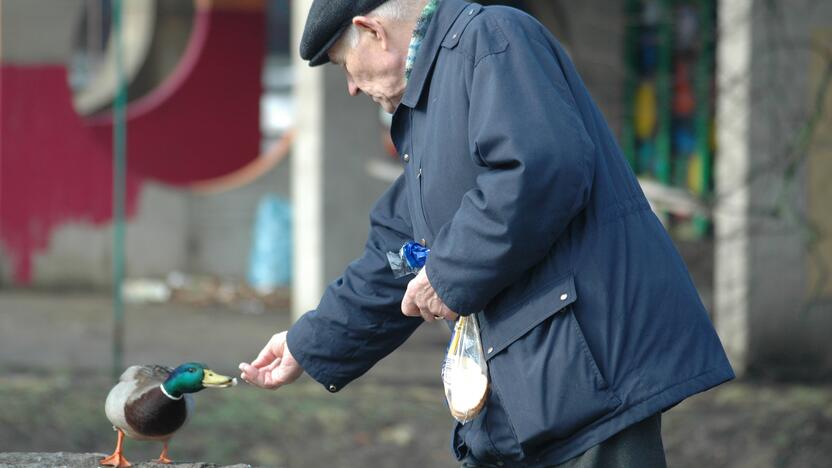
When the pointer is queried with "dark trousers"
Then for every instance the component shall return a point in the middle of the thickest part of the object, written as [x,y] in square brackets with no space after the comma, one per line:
[638,446]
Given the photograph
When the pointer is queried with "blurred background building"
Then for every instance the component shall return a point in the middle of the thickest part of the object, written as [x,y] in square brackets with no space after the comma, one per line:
[722,108]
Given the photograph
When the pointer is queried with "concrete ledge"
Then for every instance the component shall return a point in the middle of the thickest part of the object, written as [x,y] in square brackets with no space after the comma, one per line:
[84,460]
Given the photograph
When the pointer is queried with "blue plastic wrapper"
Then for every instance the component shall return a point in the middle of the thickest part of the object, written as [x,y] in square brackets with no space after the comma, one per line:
[408,260]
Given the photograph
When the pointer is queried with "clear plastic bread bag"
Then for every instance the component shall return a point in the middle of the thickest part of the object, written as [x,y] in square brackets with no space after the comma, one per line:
[464,370]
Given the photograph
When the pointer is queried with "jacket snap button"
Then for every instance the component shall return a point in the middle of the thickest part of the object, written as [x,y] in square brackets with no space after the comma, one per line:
[563,296]
[406,157]
[454,36]
[490,349]
[470,12]
[333,388]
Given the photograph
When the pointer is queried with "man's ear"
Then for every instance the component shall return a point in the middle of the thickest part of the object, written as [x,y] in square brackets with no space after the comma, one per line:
[373,26]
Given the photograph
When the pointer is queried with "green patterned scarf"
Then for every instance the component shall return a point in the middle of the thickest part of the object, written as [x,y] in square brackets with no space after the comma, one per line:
[419,34]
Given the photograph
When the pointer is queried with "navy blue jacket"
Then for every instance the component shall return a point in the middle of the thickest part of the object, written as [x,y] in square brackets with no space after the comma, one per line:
[536,223]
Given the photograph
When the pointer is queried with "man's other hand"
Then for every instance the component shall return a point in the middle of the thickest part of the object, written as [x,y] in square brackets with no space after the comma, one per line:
[421,300]
[274,366]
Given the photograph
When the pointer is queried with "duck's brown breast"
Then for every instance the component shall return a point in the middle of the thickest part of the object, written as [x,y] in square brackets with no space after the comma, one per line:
[153,414]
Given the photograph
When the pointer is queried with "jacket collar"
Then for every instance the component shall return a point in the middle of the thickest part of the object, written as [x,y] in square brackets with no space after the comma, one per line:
[443,21]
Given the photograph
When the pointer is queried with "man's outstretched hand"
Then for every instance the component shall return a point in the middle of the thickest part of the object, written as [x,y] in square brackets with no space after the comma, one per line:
[421,300]
[274,366]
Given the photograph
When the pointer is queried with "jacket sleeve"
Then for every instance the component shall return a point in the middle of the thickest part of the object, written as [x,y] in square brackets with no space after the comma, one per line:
[359,319]
[525,129]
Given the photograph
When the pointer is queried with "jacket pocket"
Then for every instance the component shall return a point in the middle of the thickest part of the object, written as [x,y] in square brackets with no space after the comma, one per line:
[422,200]
[549,383]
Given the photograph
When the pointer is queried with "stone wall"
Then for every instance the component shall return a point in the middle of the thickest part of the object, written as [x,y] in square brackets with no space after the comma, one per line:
[84,460]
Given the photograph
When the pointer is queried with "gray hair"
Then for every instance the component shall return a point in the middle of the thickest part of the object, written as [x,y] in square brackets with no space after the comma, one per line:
[398,10]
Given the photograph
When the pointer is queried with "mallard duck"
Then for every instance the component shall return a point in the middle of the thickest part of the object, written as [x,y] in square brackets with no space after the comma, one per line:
[153,402]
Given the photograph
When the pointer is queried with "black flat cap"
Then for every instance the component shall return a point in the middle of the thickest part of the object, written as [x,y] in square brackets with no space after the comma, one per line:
[326,21]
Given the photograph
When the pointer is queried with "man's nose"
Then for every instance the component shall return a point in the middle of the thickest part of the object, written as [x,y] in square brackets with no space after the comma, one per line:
[352,88]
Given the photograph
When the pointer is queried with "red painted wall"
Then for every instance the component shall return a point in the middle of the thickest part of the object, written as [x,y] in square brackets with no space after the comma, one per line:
[53,170]
[55,167]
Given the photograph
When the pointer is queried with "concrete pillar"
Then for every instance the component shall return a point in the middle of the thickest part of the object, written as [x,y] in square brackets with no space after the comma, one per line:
[332,191]
[773,308]
[307,177]
[731,213]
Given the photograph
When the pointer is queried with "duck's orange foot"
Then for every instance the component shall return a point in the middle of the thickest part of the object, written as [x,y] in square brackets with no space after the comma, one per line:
[163,457]
[116,459]
[163,460]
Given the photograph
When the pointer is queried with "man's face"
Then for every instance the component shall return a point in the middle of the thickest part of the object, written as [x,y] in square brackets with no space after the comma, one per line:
[371,68]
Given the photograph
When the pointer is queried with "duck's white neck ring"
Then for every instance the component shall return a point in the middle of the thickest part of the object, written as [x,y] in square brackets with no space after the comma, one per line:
[162,386]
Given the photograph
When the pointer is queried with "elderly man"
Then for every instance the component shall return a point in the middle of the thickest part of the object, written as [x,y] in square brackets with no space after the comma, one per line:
[589,320]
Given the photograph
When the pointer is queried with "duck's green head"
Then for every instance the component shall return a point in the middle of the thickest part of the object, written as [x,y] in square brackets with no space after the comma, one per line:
[192,377]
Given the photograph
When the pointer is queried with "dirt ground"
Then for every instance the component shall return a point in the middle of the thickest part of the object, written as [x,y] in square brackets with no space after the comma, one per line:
[55,371]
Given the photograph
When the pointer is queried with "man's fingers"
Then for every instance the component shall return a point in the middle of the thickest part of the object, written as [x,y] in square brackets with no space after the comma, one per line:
[420,300]
[432,307]
[280,377]
[248,372]
[287,372]
[271,351]
[415,306]
[266,355]
[409,307]
[273,377]
[258,377]
[427,314]
[272,366]
[447,313]
[437,307]
[269,382]
[253,375]
[264,359]
[410,301]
